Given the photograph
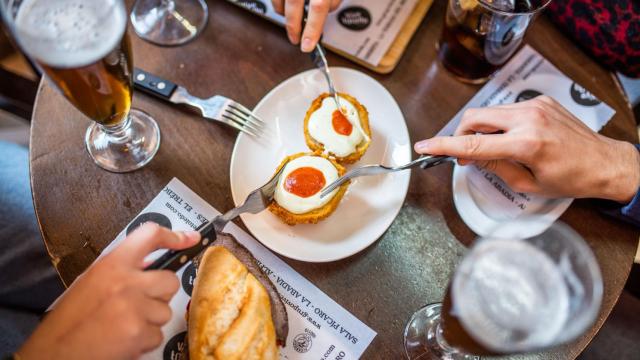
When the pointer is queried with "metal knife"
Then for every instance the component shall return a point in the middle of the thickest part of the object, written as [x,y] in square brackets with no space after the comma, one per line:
[319,58]
[174,259]
[257,201]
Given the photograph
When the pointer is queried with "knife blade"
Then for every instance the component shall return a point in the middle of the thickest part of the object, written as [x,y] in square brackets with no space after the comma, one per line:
[319,59]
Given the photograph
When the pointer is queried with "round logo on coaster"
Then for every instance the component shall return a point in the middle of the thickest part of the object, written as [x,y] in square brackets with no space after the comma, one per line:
[149,217]
[188,277]
[355,18]
[176,348]
[582,96]
[254,5]
[302,343]
[527,95]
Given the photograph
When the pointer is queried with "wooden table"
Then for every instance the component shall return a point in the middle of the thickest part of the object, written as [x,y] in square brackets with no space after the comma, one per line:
[81,208]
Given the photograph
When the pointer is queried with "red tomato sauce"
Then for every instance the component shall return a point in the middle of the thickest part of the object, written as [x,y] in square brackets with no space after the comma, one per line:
[341,124]
[304,182]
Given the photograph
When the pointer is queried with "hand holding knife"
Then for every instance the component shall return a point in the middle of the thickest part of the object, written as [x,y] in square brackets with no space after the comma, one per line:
[319,58]
[257,201]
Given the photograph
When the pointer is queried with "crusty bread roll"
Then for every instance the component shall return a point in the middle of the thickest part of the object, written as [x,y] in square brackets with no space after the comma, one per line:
[230,312]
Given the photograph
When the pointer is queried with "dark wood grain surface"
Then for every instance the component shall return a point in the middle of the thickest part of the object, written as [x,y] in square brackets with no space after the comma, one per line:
[81,208]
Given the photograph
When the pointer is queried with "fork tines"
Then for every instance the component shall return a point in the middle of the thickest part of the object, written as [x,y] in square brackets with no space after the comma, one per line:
[241,118]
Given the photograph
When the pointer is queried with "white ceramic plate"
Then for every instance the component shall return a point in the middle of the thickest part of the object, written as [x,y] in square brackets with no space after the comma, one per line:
[371,203]
[484,214]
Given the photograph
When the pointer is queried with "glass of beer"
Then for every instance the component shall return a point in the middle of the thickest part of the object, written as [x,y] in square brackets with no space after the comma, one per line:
[169,22]
[479,36]
[83,49]
[511,295]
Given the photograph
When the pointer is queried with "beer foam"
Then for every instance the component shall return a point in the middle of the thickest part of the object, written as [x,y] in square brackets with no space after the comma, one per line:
[70,33]
[510,296]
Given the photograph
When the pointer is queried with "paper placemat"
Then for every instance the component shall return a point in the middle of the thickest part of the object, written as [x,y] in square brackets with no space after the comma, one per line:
[319,328]
[527,75]
[363,29]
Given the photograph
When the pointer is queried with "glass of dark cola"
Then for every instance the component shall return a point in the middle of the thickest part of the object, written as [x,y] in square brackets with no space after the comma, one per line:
[479,36]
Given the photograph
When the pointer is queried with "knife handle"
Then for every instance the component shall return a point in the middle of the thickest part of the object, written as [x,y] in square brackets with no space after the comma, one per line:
[174,259]
[152,84]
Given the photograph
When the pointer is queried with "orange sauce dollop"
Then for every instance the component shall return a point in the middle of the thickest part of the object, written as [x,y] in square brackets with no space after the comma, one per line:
[304,182]
[341,124]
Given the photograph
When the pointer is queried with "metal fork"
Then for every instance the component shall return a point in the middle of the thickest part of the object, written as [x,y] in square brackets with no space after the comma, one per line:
[257,201]
[424,162]
[217,108]
[223,109]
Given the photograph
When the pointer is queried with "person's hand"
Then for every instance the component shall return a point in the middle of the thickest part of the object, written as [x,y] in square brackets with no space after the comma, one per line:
[538,147]
[293,11]
[115,310]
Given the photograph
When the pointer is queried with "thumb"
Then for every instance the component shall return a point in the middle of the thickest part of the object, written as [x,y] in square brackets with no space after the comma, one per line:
[516,176]
[150,237]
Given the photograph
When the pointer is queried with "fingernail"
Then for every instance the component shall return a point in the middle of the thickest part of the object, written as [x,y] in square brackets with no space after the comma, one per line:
[422,146]
[192,236]
[307,45]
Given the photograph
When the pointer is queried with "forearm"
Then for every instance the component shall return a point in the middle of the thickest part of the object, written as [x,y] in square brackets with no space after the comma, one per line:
[630,211]
[620,176]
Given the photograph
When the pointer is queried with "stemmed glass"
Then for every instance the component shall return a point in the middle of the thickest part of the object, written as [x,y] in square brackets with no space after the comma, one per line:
[83,49]
[169,22]
[511,295]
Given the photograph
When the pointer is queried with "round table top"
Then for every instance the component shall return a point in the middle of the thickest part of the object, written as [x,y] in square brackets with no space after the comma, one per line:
[81,207]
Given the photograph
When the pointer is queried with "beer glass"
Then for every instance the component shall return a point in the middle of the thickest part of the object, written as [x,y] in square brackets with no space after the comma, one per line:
[479,36]
[511,295]
[83,49]
[169,22]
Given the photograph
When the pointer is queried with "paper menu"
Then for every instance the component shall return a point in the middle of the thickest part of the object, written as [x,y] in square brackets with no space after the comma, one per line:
[527,75]
[364,29]
[319,328]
